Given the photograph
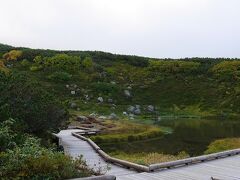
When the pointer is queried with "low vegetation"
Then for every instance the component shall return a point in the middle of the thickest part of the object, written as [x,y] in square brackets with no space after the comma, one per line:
[149,158]
[125,131]
[223,145]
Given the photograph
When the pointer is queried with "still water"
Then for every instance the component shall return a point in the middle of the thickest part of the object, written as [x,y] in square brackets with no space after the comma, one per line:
[189,135]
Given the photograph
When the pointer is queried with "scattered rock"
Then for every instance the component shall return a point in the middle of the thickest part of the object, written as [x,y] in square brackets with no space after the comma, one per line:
[102,117]
[87,97]
[131,109]
[113,82]
[110,100]
[73,105]
[100,99]
[73,92]
[125,113]
[150,108]
[78,109]
[137,111]
[113,116]
[138,106]
[131,116]
[129,88]
[67,86]
[93,115]
[127,93]
[82,118]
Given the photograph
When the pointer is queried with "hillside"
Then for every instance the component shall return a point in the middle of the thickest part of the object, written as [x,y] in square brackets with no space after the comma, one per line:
[196,86]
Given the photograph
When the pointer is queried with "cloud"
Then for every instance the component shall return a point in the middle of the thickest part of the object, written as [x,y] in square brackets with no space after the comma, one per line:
[156,28]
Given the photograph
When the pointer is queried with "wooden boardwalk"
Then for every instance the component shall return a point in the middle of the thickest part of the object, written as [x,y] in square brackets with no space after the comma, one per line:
[222,169]
[76,147]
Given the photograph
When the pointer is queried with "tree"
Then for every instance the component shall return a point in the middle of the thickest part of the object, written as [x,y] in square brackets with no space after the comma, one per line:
[12,55]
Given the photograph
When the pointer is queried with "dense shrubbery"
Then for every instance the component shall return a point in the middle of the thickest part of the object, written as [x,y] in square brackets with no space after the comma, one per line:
[227,70]
[173,67]
[23,99]
[12,55]
[60,76]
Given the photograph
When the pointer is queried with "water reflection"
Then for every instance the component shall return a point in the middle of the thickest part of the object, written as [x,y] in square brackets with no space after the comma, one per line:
[190,135]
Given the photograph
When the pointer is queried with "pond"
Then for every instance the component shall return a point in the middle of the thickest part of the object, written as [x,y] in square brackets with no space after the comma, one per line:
[189,135]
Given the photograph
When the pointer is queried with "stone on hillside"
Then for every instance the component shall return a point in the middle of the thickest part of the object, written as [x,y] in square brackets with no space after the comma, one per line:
[110,100]
[150,108]
[138,106]
[113,116]
[73,92]
[137,111]
[113,82]
[82,118]
[93,115]
[67,86]
[100,99]
[125,113]
[131,116]
[102,117]
[73,105]
[127,93]
[131,109]
[78,109]
[129,88]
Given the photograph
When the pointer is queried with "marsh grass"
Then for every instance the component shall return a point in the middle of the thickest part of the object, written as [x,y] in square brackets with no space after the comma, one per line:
[149,158]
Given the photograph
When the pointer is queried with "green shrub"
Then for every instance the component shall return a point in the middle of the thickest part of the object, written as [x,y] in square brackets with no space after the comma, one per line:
[31,161]
[25,63]
[105,88]
[227,70]
[36,68]
[60,76]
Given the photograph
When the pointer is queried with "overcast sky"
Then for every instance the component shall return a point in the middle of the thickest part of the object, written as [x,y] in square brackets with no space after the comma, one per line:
[155,28]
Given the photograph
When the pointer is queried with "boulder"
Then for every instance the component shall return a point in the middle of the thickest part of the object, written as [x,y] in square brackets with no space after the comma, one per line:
[93,115]
[127,93]
[113,116]
[73,92]
[131,116]
[125,113]
[82,118]
[150,108]
[110,100]
[73,105]
[131,109]
[138,106]
[102,117]
[67,86]
[100,99]
[137,111]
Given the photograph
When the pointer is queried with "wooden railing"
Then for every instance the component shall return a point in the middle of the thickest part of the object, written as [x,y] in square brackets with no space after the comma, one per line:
[158,166]
[110,159]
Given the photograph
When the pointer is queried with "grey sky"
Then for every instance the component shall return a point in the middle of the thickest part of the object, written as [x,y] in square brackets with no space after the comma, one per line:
[155,28]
